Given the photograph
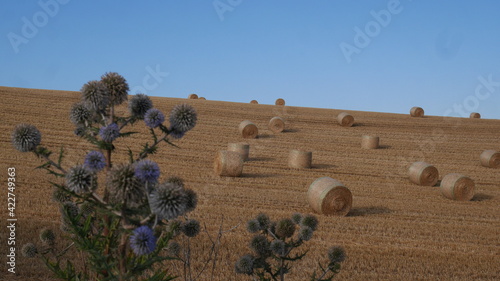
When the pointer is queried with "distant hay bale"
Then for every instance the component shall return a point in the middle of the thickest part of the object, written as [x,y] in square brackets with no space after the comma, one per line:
[277,125]
[193,96]
[202,98]
[300,159]
[369,142]
[228,164]
[345,119]
[490,158]
[457,187]
[254,102]
[248,130]
[328,196]
[280,102]
[475,115]
[242,148]
[416,112]
[424,174]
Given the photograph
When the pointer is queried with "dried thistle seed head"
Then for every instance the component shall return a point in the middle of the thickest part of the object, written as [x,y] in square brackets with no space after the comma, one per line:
[139,105]
[285,228]
[117,87]
[124,186]
[26,137]
[29,250]
[264,221]
[153,118]
[191,228]
[253,226]
[168,201]
[336,254]
[47,236]
[278,247]
[176,180]
[260,245]
[192,200]
[142,241]
[80,180]
[296,218]
[79,113]
[110,132]
[147,171]
[305,233]
[95,95]
[94,161]
[245,265]
[173,248]
[183,118]
[309,221]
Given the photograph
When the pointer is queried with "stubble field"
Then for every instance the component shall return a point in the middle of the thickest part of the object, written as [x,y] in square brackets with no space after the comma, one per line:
[395,230]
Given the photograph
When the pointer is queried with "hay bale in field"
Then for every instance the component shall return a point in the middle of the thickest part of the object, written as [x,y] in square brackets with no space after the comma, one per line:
[193,96]
[457,187]
[490,158]
[248,130]
[280,102]
[277,125]
[328,196]
[424,174]
[228,164]
[475,115]
[369,142]
[300,159]
[345,119]
[254,102]
[202,98]
[242,148]
[416,112]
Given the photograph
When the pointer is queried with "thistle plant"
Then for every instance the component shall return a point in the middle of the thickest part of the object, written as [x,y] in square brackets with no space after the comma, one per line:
[275,247]
[121,227]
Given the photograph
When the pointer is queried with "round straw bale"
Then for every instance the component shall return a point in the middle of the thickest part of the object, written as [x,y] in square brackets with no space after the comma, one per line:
[457,187]
[248,130]
[329,197]
[277,125]
[475,115]
[228,164]
[193,96]
[242,148]
[422,173]
[490,158]
[416,112]
[202,98]
[299,159]
[369,142]
[345,119]
[254,102]
[280,102]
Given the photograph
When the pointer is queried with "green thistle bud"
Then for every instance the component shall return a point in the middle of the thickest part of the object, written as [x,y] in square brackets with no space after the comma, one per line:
[296,218]
[176,180]
[60,196]
[285,228]
[124,185]
[191,228]
[174,226]
[264,221]
[192,200]
[173,248]
[336,254]
[253,226]
[309,221]
[29,250]
[260,245]
[278,247]
[47,236]
[305,233]
[245,265]
[87,208]
[117,87]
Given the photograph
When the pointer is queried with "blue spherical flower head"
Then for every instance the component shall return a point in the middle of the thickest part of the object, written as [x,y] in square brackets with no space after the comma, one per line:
[142,241]
[153,118]
[183,117]
[94,161]
[109,133]
[26,137]
[147,171]
[176,134]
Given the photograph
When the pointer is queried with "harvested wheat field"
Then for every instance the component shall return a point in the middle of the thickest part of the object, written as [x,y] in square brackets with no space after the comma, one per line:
[396,230]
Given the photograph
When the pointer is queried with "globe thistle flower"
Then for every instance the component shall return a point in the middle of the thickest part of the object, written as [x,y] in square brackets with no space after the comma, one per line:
[260,245]
[79,113]
[176,180]
[79,179]
[80,131]
[253,226]
[153,118]
[296,218]
[26,137]
[47,236]
[168,201]
[94,161]
[147,171]
[278,247]
[264,221]
[142,241]
[175,134]
[95,95]
[110,132]
[309,221]
[192,200]
[245,265]
[124,185]
[29,250]
[183,118]
[117,87]
[285,228]
[173,248]
[191,228]
[336,254]
[139,105]
[305,233]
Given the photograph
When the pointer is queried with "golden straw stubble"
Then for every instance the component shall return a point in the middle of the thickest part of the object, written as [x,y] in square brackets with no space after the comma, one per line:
[490,158]
[457,187]
[242,148]
[277,125]
[248,130]
[422,173]
[369,142]
[299,159]
[328,196]
[345,119]
[416,112]
[193,96]
[280,102]
[228,164]
[475,115]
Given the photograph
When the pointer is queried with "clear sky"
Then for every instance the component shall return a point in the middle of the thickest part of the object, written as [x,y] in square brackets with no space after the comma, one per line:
[383,55]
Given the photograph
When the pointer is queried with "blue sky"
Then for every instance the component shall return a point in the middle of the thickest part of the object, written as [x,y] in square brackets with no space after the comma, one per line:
[383,56]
